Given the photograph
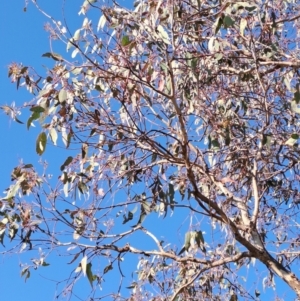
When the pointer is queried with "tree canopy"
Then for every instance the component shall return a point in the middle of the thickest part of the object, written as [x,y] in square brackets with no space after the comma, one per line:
[176,113]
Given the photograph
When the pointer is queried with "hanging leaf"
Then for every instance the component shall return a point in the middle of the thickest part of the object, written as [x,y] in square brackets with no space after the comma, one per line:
[74,53]
[62,96]
[101,23]
[12,232]
[53,135]
[25,272]
[41,143]
[37,109]
[89,273]
[181,251]
[82,187]
[218,24]
[145,209]
[54,56]
[228,22]
[163,34]
[171,195]
[76,35]
[292,140]
[18,120]
[187,243]
[267,139]
[187,240]
[297,96]
[215,144]
[34,116]
[108,268]
[69,45]
[84,151]
[66,163]
[125,41]
[233,297]
[83,264]
[128,218]
[68,140]
[200,240]
[243,25]
[28,166]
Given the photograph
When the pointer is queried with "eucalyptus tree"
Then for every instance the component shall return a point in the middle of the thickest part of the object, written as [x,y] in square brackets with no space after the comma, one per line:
[177,112]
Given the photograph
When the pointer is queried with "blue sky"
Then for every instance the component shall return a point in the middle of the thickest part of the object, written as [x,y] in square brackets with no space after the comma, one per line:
[24,41]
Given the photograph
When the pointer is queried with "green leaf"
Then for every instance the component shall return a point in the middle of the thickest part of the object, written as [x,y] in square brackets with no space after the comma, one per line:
[2,233]
[27,275]
[54,56]
[12,232]
[181,251]
[229,249]
[125,41]
[199,238]
[153,157]
[45,264]
[145,209]
[233,298]
[227,137]
[66,163]
[41,143]
[37,109]
[171,195]
[108,268]
[267,139]
[23,70]
[218,24]
[69,140]
[127,218]
[18,120]
[200,241]
[82,187]
[18,82]
[250,8]
[187,240]
[28,166]
[194,63]
[215,143]
[227,22]
[297,96]
[89,273]
[34,116]
[142,218]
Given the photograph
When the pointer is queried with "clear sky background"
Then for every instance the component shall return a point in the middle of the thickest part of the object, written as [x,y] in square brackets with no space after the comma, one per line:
[23,40]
